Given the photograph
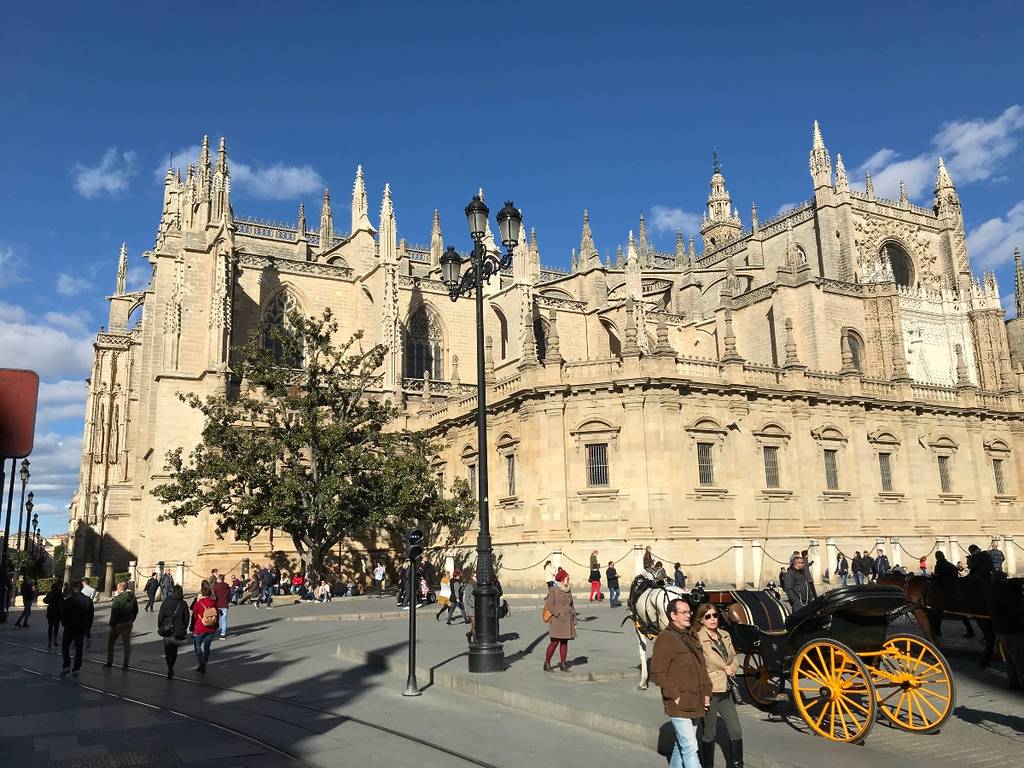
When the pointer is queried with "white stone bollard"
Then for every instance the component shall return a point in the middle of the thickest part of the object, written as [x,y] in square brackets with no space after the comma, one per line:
[757,558]
[737,553]
[1009,547]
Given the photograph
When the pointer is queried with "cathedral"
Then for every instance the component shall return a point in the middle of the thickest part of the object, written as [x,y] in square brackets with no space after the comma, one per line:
[834,378]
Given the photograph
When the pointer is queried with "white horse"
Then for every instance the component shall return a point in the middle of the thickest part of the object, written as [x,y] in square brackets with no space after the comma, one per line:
[648,606]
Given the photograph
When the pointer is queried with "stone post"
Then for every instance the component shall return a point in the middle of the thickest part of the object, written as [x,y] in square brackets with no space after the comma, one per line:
[245,568]
[556,558]
[108,579]
[133,573]
[67,572]
[818,569]
[88,571]
[1009,549]
[179,576]
[831,554]
[638,559]
[757,559]
[953,555]
[897,551]
[737,553]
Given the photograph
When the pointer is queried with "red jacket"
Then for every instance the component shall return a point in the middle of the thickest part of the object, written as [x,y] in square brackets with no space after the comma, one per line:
[222,594]
[197,615]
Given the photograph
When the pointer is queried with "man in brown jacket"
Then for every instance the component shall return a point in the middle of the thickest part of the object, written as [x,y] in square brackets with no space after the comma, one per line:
[678,668]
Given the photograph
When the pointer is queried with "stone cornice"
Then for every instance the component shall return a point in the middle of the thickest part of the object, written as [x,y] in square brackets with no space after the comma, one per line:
[294,267]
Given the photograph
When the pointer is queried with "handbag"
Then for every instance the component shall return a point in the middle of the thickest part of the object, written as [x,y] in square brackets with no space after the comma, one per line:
[547,615]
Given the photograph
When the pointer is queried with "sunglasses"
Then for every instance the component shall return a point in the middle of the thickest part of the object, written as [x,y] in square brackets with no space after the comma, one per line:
[709,615]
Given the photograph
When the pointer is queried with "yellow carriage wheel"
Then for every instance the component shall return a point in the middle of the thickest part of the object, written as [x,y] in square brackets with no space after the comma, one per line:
[832,691]
[760,687]
[914,684]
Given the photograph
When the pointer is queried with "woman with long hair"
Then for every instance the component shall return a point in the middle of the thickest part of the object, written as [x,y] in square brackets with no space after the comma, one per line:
[205,620]
[720,659]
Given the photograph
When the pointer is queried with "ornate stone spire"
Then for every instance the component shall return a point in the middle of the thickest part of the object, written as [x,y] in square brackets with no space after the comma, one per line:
[1018,281]
[869,186]
[721,223]
[729,341]
[221,184]
[574,265]
[904,200]
[644,245]
[552,354]
[634,280]
[842,181]
[663,345]
[792,256]
[754,224]
[589,255]
[821,164]
[204,179]
[630,348]
[388,229]
[455,375]
[792,361]
[691,251]
[488,361]
[122,270]
[962,379]
[618,256]
[528,342]
[947,201]
[326,222]
[301,224]
[436,241]
[681,261]
[360,209]
[942,178]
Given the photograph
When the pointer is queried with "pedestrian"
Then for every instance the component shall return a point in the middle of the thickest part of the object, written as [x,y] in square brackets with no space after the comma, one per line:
[679,577]
[595,579]
[53,600]
[659,572]
[166,582]
[943,568]
[429,571]
[237,588]
[222,599]
[282,583]
[457,597]
[28,599]
[882,567]
[842,569]
[444,595]
[123,610]
[204,625]
[679,669]
[720,660]
[266,587]
[858,568]
[612,577]
[549,574]
[378,579]
[151,587]
[297,584]
[76,614]
[1008,623]
[797,585]
[214,573]
[648,560]
[996,556]
[868,566]
[923,565]
[560,613]
[172,625]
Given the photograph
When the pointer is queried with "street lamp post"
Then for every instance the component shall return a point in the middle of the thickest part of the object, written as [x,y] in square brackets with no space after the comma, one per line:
[485,652]
[35,534]
[29,506]
[25,475]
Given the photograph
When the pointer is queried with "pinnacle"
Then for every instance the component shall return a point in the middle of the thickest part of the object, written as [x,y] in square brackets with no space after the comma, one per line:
[327,196]
[817,141]
[942,177]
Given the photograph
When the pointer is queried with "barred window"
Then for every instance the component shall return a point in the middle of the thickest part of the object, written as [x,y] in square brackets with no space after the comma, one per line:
[471,471]
[944,479]
[510,472]
[597,464]
[885,470]
[997,471]
[771,466]
[832,469]
[705,464]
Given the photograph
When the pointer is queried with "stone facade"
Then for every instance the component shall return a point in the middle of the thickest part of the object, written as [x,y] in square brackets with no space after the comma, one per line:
[834,377]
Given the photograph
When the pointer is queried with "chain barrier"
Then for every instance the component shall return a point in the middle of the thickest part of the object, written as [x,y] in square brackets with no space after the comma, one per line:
[528,567]
[628,553]
[915,557]
[581,565]
[1018,546]
[694,565]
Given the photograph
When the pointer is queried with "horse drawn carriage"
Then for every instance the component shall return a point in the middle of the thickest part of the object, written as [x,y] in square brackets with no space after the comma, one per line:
[843,667]
[841,664]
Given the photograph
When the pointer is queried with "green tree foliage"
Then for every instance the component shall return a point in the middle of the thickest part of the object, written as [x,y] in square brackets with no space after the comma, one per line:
[305,448]
[60,556]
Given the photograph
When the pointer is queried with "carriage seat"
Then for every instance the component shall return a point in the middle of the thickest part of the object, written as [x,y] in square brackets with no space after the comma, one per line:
[863,600]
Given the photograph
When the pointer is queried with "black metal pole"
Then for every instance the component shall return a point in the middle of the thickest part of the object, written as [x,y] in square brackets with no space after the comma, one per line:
[411,688]
[21,511]
[10,509]
[4,555]
[28,521]
[485,652]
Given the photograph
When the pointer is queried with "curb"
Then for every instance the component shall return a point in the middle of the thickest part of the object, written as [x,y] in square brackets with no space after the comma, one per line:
[477,687]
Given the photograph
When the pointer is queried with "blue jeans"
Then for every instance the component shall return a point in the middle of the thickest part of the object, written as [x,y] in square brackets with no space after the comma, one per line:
[684,754]
[266,596]
[842,580]
[858,578]
[223,621]
[202,647]
[613,596]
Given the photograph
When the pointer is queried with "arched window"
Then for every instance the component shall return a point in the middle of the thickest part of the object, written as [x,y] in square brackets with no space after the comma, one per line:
[614,345]
[275,316]
[902,266]
[856,348]
[503,332]
[540,336]
[424,345]
[135,316]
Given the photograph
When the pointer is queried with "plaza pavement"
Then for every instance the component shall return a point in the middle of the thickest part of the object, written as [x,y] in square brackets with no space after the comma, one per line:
[347,659]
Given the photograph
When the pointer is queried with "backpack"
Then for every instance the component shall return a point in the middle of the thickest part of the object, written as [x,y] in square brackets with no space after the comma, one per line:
[167,626]
[210,617]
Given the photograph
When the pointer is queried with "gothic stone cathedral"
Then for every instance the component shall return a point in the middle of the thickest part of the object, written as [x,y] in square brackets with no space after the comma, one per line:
[832,378]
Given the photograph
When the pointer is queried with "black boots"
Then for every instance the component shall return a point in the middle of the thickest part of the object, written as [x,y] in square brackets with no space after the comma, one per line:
[706,753]
[548,667]
[563,667]
[737,753]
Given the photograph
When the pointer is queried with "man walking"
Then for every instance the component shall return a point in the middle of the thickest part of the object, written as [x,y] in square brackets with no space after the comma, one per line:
[882,567]
[166,582]
[378,579]
[266,587]
[222,597]
[76,616]
[151,587]
[679,577]
[612,577]
[123,610]
[28,599]
[797,585]
[996,556]
[842,569]
[679,669]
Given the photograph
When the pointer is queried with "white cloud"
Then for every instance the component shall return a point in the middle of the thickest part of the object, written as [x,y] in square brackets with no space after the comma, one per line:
[667,219]
[973,150]
[275,182]
[786,207]
[110,176]
[55,466]
[138,277]
[79,321]
[181,158]
[991,243]
[69,285]
[51,352]
[10,266]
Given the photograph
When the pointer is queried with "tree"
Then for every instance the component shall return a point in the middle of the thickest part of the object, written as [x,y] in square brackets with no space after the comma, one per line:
[60,556]
[304,448]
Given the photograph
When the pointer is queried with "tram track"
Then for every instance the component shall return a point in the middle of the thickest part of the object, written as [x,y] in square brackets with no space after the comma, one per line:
[266,697]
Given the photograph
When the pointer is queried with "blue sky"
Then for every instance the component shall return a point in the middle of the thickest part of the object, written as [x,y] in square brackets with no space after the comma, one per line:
[561,106]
